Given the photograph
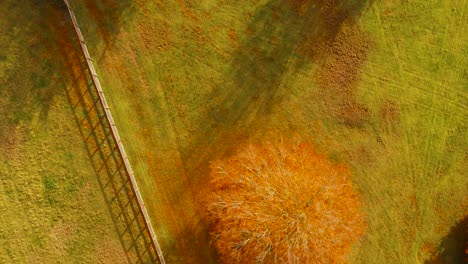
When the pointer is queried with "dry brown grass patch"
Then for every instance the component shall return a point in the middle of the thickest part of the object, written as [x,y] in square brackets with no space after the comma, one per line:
[338,75]
[154,35]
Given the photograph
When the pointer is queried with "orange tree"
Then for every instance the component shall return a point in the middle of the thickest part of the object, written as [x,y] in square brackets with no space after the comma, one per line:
[282,203]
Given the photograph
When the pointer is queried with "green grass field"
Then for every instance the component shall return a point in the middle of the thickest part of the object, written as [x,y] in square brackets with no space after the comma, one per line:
[384,92]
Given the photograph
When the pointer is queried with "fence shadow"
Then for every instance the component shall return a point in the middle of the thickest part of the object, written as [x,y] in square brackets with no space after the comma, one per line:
[110,171]
[103,151]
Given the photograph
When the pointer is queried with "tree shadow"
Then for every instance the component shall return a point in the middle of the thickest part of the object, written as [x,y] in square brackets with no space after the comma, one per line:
[271,52]
[452,248]
[192,236]
[108,16]
[32,84]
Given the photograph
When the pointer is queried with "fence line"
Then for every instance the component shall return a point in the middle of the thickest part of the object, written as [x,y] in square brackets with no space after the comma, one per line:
[115,134]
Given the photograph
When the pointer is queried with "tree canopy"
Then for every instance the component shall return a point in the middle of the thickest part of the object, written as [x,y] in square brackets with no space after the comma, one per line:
[282,203]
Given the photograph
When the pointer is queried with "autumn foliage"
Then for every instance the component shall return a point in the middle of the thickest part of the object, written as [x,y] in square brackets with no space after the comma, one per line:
[282,203]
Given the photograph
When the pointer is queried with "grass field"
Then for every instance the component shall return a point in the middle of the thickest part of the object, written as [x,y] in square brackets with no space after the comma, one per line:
[51,207]
[382,90]
[190,80]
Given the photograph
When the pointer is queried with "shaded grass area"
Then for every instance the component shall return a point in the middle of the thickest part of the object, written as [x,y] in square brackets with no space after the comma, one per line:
[51,206]
[382,89]
[453,247]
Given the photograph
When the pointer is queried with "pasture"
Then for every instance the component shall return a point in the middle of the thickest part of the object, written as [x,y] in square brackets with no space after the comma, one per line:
[380,86]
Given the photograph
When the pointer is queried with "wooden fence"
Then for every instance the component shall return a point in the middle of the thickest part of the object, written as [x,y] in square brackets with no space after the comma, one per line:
[115,136]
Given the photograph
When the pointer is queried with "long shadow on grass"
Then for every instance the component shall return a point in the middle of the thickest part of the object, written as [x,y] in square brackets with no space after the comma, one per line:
[100,145]
[260,65]
[32,83]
